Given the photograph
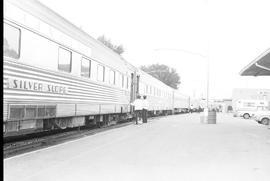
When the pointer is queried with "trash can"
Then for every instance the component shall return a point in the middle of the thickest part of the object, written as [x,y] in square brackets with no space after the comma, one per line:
[212,117]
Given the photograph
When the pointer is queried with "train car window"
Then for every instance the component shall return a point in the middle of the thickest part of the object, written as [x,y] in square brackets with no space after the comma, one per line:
[85,67]
[138,83]
[127,82]
[16,112]
[12,37]
[41,111]
[123,80]
[30,111]
[112,77]
[50,111]
[100,73]
[64,60]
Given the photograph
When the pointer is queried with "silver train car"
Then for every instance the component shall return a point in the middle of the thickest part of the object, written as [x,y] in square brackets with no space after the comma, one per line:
[56,76]
[181,102]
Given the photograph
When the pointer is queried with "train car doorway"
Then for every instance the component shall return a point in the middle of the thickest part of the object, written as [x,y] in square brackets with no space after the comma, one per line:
[135,79]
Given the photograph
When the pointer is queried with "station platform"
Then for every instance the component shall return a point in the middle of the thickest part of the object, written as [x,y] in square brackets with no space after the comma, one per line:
[176,147]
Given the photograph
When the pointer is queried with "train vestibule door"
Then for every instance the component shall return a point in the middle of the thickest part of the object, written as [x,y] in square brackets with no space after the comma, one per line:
[137,85]
[135,79]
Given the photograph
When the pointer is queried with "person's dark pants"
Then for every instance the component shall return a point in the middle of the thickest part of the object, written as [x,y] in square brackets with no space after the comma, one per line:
[138,115]
[144,115]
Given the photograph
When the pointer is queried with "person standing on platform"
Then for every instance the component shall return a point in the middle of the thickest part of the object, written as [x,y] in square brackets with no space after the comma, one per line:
[191,109]
[145,109]
[138,108]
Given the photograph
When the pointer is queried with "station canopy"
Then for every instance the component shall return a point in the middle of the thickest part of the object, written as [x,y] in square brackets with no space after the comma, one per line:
[259,67]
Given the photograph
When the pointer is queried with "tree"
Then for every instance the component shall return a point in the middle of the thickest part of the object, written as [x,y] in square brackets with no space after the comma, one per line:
[107,42]
[163,73]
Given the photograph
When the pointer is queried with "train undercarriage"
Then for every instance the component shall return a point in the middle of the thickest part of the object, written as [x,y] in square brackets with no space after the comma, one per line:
[24,127]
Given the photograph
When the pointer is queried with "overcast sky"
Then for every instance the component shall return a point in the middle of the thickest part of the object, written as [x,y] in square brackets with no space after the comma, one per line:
[180,33]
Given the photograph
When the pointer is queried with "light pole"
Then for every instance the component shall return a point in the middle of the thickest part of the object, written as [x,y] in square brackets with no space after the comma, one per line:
[196,54]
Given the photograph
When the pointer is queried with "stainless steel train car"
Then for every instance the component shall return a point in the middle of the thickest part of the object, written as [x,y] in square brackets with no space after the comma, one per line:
[159,95]
[56,76]
[181,102]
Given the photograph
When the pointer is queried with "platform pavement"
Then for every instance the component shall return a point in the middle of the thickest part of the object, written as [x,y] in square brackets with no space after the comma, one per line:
[177,148]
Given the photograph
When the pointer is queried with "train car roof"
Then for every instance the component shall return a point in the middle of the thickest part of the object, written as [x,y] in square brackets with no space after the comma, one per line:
[150,76]
[258,67]
[155,79]
[41,11]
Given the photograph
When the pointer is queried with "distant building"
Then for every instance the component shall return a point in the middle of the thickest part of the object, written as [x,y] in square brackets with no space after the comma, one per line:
[222,105]
[249,94]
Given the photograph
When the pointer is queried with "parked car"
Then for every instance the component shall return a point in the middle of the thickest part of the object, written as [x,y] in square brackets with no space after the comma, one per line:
[262,117]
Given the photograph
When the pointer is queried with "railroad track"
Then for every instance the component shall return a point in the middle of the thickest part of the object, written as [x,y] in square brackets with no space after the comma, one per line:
[16,148]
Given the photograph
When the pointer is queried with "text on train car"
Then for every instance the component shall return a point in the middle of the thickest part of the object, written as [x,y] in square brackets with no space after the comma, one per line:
[36,86]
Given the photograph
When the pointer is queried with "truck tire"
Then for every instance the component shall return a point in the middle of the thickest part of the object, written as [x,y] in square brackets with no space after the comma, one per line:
[246,116]
[265,121]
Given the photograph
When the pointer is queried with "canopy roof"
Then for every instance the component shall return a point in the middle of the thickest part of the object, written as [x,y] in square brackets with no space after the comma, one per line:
[259,67]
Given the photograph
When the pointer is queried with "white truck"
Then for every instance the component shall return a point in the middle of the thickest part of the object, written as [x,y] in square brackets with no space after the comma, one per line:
[249,108]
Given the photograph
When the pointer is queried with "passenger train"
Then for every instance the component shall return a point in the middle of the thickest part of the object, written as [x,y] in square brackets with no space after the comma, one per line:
[56,76]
